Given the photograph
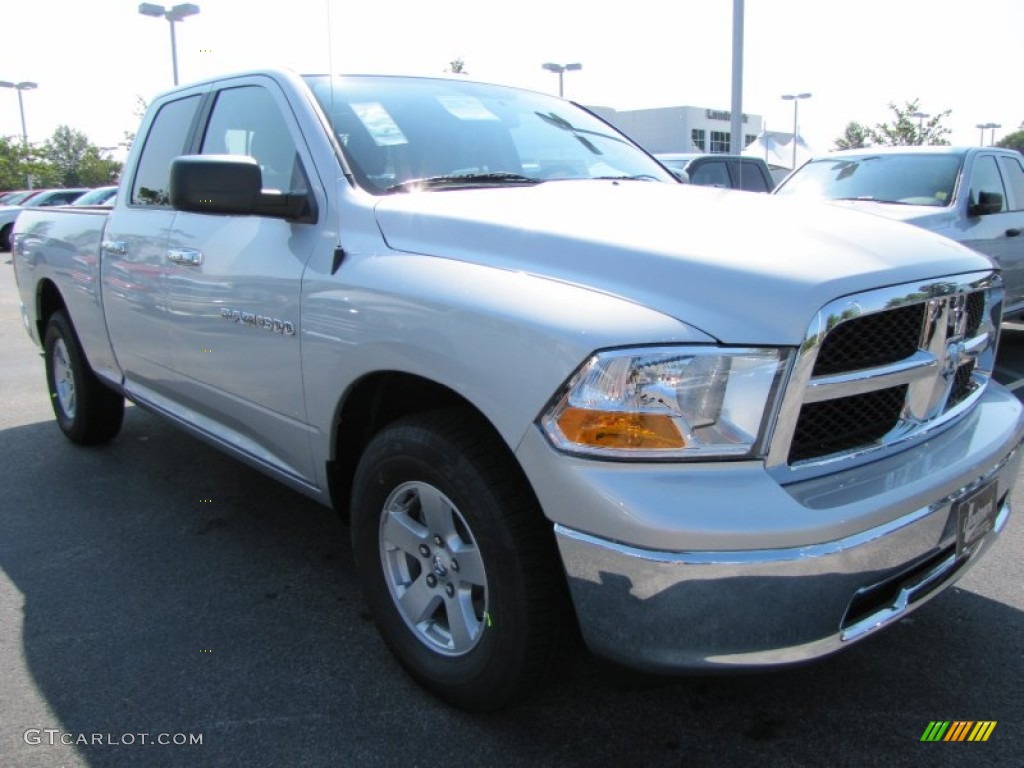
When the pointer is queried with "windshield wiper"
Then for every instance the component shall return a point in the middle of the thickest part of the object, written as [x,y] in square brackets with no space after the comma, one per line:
[635,177]
[463,179]
[872,199]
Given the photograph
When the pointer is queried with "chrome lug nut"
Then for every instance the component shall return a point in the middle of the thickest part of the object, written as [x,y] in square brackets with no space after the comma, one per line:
[450,590]
[455,565]
[424,550]
[438,540]
[431,580]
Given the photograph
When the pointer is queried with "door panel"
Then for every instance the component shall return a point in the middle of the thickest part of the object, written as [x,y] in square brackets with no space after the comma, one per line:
[133,267]
[233,292]
[991,234]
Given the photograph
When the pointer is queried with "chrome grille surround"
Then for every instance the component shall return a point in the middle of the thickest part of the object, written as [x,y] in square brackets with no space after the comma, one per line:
[942,375]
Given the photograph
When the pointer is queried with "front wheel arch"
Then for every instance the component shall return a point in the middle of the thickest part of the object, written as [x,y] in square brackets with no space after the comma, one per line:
[449,454]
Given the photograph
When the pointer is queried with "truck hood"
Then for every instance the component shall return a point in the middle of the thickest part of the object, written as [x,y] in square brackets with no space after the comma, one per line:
[743,268]
[924,216]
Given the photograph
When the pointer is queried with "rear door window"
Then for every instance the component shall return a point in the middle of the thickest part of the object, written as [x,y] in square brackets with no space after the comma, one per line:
[164,142]
[711,174]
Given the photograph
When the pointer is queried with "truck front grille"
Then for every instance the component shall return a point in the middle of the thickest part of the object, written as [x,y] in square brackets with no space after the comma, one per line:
[871,340]
[846,422]
[879,368]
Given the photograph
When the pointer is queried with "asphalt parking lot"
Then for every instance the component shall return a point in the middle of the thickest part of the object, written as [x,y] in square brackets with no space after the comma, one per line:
[153,586]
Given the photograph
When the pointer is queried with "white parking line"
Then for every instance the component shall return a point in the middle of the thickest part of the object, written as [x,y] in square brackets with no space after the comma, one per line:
[1014,385]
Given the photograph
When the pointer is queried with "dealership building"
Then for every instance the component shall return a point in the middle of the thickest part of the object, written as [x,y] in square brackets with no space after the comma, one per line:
[680,129]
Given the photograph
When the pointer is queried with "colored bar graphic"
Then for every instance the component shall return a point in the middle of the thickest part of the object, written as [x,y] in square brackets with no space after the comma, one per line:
[935,731]
[982,730]
[958,730]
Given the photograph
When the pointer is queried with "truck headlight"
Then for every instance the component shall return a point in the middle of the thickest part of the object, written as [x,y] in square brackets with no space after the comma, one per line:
[668,403]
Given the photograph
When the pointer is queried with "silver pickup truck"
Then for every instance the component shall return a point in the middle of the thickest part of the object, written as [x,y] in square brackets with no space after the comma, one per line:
[546,384]
[974,195]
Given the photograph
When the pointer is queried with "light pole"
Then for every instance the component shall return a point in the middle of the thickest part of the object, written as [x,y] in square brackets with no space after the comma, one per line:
[19,87]
[560,70]
[795,98]
[172,14]
[920,120]
[982,127]
[25,85]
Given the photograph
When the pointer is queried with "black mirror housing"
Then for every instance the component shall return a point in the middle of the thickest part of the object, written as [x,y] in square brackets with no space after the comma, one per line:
[230,184]
[215,183]
[988,203]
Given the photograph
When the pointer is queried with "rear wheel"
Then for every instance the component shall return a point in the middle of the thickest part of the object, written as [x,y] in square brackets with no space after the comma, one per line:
[5,237]
[457,566]
[86,410]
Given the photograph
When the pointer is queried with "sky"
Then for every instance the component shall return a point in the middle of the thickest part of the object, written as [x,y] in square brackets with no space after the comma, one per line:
[93,59]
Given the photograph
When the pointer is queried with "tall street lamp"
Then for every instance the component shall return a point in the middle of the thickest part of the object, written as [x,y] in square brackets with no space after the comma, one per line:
[19,87]
[982,127]
[920,119]
[172,14]
[25,85]
[795,98]
[560,70]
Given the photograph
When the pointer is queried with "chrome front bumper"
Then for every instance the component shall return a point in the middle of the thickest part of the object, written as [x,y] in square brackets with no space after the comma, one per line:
[741,605]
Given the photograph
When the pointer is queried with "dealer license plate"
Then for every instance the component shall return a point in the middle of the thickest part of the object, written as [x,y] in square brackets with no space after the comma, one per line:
[976,516]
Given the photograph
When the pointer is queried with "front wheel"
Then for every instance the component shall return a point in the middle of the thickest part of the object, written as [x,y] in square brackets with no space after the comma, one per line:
[457,566]
[86,410]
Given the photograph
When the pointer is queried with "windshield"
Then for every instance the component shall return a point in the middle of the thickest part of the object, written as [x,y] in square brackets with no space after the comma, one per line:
[405,133]
[911,179]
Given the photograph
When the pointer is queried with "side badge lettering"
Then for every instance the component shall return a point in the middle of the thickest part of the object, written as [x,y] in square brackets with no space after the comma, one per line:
[272,324]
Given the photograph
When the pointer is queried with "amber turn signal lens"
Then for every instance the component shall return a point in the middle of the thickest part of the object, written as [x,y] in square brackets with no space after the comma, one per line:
[610,429]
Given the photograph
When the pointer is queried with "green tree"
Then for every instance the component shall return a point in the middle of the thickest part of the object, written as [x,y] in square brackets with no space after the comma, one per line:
[18,162]
[75,161]
[1013,140]
[65,150]
[140,110]
[905,129]
[97,170]
[12,163]
[854,137]
[457,66]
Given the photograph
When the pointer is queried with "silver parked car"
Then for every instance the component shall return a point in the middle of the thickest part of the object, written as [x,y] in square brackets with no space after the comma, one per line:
[46,198]
[974,195]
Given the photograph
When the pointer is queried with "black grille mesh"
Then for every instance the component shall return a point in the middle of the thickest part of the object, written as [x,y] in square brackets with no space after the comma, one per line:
[963,385]
[838,425]
[975,312]
[873,340]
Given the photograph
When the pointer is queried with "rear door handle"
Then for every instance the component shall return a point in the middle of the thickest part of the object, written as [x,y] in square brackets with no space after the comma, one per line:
[116,247]
[1012,232]
[188,257]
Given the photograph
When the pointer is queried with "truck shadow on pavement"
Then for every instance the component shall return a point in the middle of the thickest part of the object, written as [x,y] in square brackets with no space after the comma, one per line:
[167,589]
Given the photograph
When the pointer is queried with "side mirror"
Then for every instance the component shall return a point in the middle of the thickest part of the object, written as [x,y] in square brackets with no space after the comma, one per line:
[231,184]
[988,203]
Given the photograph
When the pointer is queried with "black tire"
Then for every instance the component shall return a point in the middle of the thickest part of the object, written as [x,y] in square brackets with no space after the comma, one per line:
[448,455]
[87,411]
[5,237]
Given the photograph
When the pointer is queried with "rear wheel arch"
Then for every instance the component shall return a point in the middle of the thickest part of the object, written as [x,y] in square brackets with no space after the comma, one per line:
[48,301]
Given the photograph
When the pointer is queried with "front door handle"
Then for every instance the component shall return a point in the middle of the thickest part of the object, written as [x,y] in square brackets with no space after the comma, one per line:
[188,257]
[1012,232]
